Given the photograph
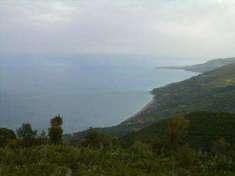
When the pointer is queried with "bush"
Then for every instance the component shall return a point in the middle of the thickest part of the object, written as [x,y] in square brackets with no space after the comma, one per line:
[6,136]
[96,139]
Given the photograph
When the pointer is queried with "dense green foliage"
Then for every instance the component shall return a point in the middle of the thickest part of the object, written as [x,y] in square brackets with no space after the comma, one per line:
[204,129]
[63,160]
[101,155]
[139,160]
[96,139]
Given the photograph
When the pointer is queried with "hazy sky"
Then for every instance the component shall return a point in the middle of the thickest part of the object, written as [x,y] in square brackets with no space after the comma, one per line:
[176,28]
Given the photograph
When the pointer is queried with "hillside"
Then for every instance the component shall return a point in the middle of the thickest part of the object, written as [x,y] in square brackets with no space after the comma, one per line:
[204,129]
[211,91]
[98,158]
[205,67]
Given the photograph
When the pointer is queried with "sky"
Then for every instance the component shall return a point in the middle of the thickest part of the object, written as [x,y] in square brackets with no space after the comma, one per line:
[163,28]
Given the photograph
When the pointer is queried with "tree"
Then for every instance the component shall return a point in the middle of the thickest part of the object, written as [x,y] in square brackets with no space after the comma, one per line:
[56,131]
[26,134]
[96,139]
[55,134]
[57,121]
[6,136]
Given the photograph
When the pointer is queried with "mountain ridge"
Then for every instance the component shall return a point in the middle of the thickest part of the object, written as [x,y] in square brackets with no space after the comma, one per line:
[204,67]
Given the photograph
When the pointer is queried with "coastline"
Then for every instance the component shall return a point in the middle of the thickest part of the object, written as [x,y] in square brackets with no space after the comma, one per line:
[142,110]
[126,125]
[151,103]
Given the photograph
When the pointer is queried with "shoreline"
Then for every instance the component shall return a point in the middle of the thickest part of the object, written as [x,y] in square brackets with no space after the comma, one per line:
[151,102]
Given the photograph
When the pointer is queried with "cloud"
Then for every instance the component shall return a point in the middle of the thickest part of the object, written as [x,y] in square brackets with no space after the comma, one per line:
[177,28]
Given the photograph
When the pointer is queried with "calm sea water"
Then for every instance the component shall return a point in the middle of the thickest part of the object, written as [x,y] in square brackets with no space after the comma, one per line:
[87,91]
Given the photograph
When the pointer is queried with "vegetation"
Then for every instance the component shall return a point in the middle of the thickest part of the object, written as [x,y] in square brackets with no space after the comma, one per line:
[63,160]
[162,149]
[203,129]
[6,136]
[56,131]
[95,139]
[211,91]
[26,134]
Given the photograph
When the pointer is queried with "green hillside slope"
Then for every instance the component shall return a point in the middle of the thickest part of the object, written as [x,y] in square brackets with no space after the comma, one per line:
[212,91]
[204,129]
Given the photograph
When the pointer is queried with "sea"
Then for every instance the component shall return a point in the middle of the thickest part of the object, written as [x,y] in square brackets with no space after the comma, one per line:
[86,90]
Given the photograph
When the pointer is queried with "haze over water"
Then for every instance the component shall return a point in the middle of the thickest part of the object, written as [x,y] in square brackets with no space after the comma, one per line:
[87,90]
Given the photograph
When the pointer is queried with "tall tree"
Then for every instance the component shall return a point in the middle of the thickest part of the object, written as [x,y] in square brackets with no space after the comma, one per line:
[56,131]
[57,121]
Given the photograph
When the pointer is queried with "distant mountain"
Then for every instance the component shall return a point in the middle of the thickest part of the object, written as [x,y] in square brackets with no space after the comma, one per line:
[204,129]
[212,91]
[205,67]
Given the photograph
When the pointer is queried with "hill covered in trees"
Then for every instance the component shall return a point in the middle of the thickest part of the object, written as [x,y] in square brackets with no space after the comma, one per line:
[203,129]
[170,153]
[212,91]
